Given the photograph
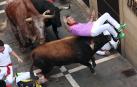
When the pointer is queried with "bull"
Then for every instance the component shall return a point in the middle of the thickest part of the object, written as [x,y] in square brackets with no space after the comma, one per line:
[26,22]
[55,22]
[67,51]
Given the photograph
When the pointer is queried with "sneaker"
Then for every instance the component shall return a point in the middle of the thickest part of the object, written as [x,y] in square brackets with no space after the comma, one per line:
[121,35]
[122,26]
[115,44]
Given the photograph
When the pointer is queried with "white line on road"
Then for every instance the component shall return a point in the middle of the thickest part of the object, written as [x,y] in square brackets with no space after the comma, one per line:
[3,3]
[83,67]
[63,69]
[97,61]
[77,69]
[107,58]
[71,80]
[2,11]
[57,75]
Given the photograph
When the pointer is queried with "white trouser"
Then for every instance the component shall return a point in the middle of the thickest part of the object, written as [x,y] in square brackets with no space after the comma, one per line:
[100,52]
[107,46]
[99,26]
[3,72]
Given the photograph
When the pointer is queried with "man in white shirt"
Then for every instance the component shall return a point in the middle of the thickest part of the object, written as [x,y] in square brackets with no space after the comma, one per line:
[6,64]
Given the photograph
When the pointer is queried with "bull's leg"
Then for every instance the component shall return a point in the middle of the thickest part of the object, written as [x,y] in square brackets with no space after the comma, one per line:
[47,69]
[93,62]
[16,34]
[33,77]
[44,66]
[90,66]
[55,31]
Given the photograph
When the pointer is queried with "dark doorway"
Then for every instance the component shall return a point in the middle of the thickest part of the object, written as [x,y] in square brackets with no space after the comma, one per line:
[110,6]
[86,2]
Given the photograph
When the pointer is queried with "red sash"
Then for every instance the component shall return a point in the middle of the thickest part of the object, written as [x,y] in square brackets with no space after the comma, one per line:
[8,69]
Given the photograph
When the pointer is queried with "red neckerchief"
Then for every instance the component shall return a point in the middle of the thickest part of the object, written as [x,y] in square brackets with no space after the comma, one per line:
[73,24]
[8,69]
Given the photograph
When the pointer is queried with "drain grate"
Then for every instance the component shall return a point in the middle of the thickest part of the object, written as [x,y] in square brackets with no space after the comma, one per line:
[129,72]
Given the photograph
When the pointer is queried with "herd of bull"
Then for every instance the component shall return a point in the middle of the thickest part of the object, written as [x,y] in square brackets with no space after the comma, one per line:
[28,20]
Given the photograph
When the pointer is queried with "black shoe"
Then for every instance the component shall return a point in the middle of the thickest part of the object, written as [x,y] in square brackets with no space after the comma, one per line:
[69,6]
[94,65]
[115,39]
[92,70]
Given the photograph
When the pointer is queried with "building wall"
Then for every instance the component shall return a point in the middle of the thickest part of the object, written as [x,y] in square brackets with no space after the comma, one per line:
[129,44]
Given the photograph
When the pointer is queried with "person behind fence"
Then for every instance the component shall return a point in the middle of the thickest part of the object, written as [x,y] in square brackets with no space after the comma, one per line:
[6,71]
[94,28]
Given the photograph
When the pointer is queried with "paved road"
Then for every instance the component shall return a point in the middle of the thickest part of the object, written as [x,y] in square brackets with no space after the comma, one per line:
[109,70]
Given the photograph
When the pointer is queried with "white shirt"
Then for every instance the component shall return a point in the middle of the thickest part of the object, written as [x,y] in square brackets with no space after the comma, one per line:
[5,56]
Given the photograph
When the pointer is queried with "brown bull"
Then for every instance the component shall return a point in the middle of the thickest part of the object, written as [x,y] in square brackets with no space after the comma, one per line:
[67,51]
[26,22]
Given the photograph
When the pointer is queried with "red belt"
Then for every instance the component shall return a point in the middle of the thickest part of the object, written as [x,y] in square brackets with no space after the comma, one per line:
[8,69]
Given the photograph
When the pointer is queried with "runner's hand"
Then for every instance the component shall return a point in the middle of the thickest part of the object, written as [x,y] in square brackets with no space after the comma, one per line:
[20,60]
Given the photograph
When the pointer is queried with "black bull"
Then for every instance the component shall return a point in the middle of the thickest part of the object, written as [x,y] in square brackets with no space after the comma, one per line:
[67,51]
[43,5]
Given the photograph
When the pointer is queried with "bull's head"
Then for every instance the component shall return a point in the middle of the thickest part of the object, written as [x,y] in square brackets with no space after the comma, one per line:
[38,23]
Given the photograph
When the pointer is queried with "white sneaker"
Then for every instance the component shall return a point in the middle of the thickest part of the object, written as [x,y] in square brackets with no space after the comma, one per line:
[114,44]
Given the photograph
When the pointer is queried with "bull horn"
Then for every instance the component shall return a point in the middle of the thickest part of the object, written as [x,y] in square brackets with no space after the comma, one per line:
[45,12]
[28,19]
[48,16]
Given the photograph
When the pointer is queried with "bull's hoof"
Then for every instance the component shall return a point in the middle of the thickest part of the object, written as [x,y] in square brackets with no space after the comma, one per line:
[35,78]
[58,37]
[92,70]
[69,7]
[94,73]
[94,65]
[44,84]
